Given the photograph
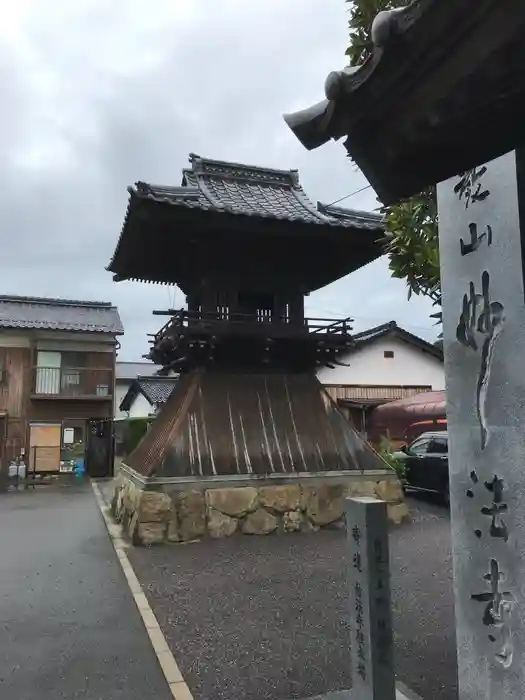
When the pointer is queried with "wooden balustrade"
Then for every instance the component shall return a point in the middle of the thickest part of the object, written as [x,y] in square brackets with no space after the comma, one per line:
[72,382]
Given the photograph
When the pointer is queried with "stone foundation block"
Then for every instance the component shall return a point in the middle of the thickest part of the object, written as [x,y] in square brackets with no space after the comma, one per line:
[398,512]
[324,503]
[307,526]
[150,517]
[220,525]
[154,507]
[260,523]
[173,534]
[191,509]
[281,498]
[292,521]
[234,501]
[362,488]
[389,490]
[131,497]
[151,533]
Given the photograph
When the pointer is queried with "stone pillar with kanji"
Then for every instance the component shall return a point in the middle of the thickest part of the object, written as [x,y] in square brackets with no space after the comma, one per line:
[481,229]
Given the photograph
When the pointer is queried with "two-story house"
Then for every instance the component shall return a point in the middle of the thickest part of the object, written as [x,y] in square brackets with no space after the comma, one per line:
[57,377]
[385,363]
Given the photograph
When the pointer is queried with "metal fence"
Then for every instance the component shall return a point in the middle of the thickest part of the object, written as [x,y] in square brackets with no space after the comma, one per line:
[74,381]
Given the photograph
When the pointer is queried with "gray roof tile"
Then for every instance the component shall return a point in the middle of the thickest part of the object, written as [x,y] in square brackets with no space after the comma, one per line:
[354,217]
[131,370]
[252,191]
[59,314]
[157,389]
[371,334]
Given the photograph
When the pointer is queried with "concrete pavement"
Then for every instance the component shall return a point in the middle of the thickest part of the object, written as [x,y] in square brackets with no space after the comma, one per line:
[69,627]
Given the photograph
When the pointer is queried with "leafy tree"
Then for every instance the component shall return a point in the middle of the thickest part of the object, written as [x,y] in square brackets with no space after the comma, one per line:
[411,224]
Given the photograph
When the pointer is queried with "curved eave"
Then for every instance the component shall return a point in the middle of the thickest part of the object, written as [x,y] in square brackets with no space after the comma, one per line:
[125,266]
[389,29]
[443,91]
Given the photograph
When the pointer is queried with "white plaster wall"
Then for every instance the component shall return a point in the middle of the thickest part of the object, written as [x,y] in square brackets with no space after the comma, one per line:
[368,366]
[121,389]
[140,408]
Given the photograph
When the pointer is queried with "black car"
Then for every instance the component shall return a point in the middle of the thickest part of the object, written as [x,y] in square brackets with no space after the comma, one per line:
[426,463]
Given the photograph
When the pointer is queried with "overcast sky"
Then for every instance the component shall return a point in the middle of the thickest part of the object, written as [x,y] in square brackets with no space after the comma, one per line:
[99,94]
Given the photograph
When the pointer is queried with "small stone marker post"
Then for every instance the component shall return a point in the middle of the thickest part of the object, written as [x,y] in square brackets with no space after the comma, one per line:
[370,613]
[481,233]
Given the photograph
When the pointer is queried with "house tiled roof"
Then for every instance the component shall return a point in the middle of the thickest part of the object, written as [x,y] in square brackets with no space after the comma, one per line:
[131,370]
[384,329]
[59,314]
[253,206]
[252,191]
[157,390]
[353,217]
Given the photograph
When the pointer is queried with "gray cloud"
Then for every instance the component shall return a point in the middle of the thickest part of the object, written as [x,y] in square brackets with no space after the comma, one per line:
[100,94]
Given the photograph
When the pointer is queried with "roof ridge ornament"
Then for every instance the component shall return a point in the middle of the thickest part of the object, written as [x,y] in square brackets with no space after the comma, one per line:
[385,26]
[169,192]
[440,131]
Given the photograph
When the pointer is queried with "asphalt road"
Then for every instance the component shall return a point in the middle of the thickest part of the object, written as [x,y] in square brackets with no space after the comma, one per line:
[265,618]
[69,627]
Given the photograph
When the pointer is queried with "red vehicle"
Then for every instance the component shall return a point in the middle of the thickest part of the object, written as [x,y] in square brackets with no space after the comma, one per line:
[403,420]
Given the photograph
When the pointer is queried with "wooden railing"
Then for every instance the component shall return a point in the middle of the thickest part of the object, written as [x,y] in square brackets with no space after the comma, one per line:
[72,382]
[195,319]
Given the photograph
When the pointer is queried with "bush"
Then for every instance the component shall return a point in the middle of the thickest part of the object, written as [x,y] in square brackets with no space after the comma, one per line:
[134,431]
[387,453]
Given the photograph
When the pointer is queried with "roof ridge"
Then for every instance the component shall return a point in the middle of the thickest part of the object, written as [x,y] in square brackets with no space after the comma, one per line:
[383,329]
[136,362]
[155,377]
[209,166]
[388,325]
[353,213]
[183,191]
[305,201]
[55,301]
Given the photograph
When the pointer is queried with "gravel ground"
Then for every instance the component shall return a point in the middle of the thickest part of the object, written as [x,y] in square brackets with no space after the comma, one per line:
[260,618]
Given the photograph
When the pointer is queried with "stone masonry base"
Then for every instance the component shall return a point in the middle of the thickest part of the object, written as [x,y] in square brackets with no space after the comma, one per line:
[154,517]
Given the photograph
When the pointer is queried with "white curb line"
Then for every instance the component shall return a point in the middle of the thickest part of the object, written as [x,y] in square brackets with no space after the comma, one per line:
[169,666]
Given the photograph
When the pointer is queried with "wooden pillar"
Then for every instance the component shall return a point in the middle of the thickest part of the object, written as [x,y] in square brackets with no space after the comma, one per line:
[233,301]
[208,297]
[192,300]
[296,310]
[279,309]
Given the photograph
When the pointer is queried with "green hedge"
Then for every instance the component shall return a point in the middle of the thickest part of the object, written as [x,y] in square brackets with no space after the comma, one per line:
[134,431]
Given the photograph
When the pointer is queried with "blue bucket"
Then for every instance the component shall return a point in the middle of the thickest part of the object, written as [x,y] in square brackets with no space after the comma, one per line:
[80,467]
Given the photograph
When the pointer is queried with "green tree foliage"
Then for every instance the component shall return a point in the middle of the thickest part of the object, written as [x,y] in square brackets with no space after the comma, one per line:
[134,431]
[386,451]
[412,224]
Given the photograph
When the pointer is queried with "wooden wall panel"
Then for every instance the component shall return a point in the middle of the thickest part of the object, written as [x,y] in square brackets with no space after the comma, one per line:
[13,389]
[60,409]
[100,359]
[44,448]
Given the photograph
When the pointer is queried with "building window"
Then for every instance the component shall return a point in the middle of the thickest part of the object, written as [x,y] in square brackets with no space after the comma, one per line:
[388,354]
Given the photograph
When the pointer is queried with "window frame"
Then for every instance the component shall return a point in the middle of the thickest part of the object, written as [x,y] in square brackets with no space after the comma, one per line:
[439,439]
[423,441]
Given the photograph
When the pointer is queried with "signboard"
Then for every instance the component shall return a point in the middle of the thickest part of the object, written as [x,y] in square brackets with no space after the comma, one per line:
[480,233]
[370,607]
